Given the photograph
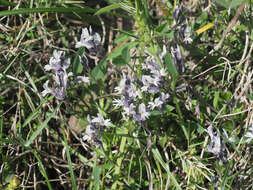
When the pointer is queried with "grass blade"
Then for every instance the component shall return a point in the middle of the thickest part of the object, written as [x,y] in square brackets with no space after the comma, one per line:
[69,161]
[44,124]
[108,8]
[42,169]
[158,156]
[48,10]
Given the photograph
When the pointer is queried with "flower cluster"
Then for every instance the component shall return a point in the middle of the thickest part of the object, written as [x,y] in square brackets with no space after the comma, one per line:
[90,40]
[217,144]
[59,65]
[94,129]
[133,90]
[182,35]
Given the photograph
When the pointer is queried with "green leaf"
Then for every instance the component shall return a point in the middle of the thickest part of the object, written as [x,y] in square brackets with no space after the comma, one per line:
[169,108]
[170,66]
[108,8]
[33,115]
[216,99]
[236,3]
[119,61]
[124,36]
[230,4]
[7,3]
[126,55]
[250,96]
[41,127]
[42,168]
[96,176]
[77,65]
[118,51]
[100,70]
[123,59]
[155,113]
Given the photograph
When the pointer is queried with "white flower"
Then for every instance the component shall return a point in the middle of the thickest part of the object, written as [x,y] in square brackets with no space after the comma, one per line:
[122,85]
[47,89]
[133,92]
[143,112]
[84,79]
[217,145]
[156,103]
[249,134]
[164,97]
[118,102]
[101,121]
[89,133]
[58,61]
[187,34]
[163,72]
[129,110]
[89,40]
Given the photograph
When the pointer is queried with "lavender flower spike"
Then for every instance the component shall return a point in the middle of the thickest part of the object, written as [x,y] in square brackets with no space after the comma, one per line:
[89,40]
[92,133]
[58,64]
[177,58]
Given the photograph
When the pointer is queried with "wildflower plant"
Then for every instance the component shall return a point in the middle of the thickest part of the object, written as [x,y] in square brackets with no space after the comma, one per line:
[59,64]
[145,95]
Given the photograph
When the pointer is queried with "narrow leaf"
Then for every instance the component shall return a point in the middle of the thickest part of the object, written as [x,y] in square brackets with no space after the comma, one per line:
[204,28]
[48,10]
[108,8]
[42,126]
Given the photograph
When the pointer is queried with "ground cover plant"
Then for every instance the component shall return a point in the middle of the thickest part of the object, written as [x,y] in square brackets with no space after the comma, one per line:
[126,94]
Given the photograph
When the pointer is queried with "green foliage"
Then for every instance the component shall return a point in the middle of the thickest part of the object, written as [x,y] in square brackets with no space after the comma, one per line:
[42,138]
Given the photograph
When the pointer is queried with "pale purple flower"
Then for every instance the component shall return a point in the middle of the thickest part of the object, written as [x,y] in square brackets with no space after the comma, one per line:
[89,40]
[249,134]
[144,114]
[133,92]
[122,85]
[178,16]
[164,97]
[57,62]
[217,144]
[147,81]
[186,31]
[101,121]
[84,79]
[92,133]
[177,58]
[157,103]
[58,92]
[129,110]
[46,90]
